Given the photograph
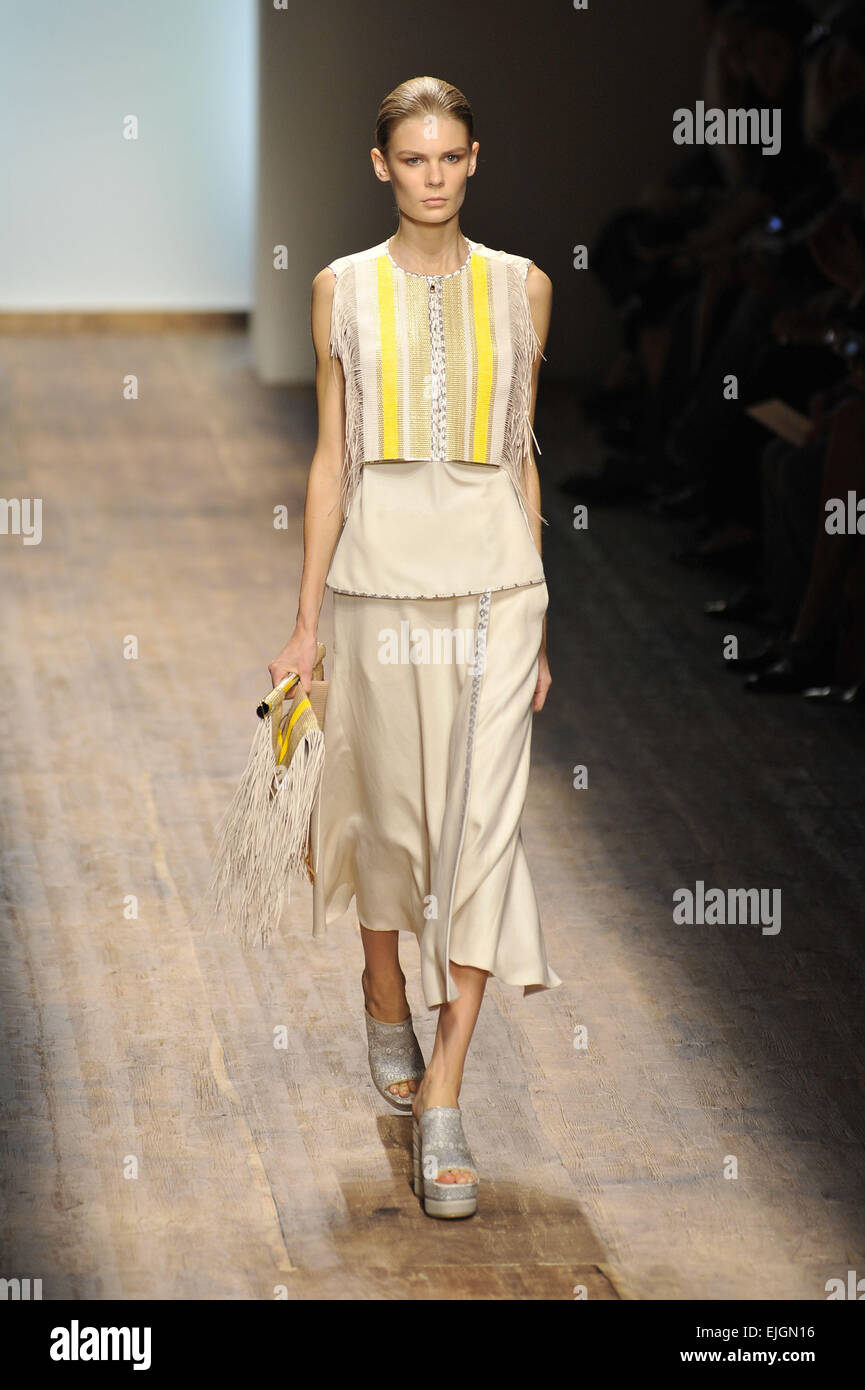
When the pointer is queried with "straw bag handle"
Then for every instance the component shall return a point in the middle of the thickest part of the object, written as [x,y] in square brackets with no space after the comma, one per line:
[290,681]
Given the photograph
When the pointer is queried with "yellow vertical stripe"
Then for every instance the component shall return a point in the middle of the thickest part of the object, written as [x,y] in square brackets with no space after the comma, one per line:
[484,347]
[389,363]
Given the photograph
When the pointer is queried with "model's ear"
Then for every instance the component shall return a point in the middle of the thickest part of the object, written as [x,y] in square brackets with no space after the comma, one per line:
[378,164]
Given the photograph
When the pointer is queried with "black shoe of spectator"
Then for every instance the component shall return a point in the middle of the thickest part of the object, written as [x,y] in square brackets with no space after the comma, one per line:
[749,606]
[786,677]
[770,655]
[835,694]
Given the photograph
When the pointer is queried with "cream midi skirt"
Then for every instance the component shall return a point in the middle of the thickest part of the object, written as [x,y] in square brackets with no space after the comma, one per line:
[427,749]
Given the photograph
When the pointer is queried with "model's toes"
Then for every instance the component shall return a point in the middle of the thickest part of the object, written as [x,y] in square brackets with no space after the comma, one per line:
[459,1175]
[401,1088]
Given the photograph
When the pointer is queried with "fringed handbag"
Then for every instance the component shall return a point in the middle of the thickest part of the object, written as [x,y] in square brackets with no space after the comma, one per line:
[263,839]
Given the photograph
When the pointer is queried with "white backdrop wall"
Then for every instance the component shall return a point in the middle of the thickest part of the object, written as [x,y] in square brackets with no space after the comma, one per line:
[92,221]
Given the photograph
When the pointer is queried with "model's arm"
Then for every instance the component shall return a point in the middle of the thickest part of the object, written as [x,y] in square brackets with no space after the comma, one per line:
[322,518]
[539,288]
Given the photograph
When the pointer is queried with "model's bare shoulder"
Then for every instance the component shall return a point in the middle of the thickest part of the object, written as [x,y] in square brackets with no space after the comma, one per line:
[539,286]
[323,287]
[324,280]
[539,291]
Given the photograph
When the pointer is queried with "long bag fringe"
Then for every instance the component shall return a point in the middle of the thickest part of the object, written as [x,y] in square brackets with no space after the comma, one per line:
[263,838]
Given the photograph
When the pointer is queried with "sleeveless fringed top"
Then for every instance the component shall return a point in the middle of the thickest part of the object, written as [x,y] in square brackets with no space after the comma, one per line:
[438,382]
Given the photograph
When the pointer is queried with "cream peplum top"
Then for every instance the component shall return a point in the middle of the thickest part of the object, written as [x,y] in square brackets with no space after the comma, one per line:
[437,405]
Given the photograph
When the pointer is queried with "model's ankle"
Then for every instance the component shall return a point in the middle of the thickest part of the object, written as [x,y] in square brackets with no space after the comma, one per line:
[388,977]
[438,1081]
[385,996]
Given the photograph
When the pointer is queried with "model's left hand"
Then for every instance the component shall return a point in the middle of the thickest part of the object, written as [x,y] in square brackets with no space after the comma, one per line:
[545,680]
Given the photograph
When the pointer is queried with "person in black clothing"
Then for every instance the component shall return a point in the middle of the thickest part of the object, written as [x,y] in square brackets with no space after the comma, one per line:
[824,654]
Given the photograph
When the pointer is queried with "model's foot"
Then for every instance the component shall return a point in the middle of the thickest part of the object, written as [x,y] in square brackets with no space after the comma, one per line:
[441,1092]
[387,1003]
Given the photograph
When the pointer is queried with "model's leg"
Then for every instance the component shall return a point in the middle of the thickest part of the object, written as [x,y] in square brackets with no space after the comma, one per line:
[444,1074]
[384,987]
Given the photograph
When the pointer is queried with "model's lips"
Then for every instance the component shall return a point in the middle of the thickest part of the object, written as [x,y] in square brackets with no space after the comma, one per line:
[435,200]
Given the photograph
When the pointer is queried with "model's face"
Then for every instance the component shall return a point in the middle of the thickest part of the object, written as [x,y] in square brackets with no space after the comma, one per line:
[428,159]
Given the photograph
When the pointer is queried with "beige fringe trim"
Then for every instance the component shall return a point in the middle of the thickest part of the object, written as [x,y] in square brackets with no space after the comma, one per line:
[263,836]
[341,327]
[519,435]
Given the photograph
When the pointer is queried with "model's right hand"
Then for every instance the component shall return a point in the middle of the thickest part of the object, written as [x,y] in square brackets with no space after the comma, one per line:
[298,654]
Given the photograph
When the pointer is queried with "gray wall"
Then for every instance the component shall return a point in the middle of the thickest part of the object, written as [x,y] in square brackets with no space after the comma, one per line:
[573,113]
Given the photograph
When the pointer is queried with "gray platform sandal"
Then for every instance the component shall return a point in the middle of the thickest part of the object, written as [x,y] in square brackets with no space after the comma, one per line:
[438,1142]
[394,1055]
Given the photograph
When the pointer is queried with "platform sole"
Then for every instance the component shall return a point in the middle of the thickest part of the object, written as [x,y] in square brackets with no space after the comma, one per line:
[443,1208]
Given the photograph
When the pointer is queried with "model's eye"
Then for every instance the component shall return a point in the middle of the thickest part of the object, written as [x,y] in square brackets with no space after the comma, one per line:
[415,158]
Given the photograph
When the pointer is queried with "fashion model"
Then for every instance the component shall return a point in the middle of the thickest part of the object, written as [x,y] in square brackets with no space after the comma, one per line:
[423,518]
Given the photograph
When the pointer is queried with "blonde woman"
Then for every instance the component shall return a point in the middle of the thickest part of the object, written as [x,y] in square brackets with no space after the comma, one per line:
[423,518]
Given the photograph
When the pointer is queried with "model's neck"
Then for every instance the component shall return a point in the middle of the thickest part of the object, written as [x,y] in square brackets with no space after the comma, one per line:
[429,250]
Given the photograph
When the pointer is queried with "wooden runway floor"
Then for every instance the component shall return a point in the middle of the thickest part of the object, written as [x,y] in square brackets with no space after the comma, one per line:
[156,1142]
